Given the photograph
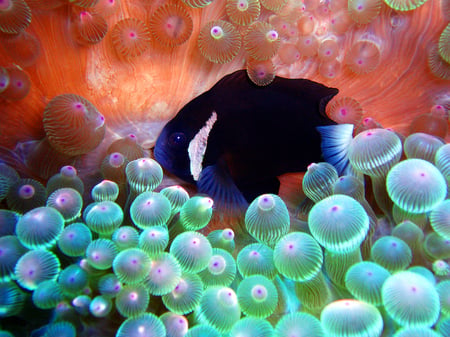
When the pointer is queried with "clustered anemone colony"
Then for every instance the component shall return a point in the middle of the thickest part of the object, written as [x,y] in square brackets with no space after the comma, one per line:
[133,258]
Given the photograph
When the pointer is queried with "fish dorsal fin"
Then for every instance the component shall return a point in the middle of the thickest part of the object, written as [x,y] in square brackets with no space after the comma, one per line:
[197,146]
[335,142]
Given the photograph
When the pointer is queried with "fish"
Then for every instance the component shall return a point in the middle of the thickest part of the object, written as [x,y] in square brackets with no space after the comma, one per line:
[234,140]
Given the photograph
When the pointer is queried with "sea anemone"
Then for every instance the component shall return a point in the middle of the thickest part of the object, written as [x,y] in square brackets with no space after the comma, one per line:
[257,296]
[74,239]
[66,201]
[164,275]
[100,253]
[256,258]
[10,251]
[132,300]
[130,38]
[221,269]
[298,256]
[251,326]
[40,228]
[391,253]
[299,324]
[153,240]
[150,209]
[192,250]
[219,307]
[267,219]
[223,239]
[125,237]
[176,325]
[350,317]
[410,300]
[72,280]
[132,265]
[196,213]
[186,295]
[106,190]
[36,266]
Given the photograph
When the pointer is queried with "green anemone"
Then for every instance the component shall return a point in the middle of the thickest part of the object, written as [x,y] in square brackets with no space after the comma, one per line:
[267,219]
[143,174]
[196,213]
[132,300]
[192,250]
[298,256]
[221,269]
[125,237]
[299,324]
[319,180]
[150,209]
[416,185]
[256,258]
[219,307]
[47,295]
[251,326]
[104,217]
[153,240]
[391,253]
[106,190]
[100,253]
[66,201]
[186,295]
[364,281]
[148,322]
[164,275]
[74,239]
[131,265]
[339,223]
[440,219]
[351,318]
[410,299]
[257,296]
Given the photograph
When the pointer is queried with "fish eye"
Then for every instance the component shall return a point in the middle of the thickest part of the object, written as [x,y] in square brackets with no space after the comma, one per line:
[177,139]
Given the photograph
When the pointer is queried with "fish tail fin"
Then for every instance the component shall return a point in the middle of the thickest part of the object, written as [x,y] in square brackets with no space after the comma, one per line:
[335,142]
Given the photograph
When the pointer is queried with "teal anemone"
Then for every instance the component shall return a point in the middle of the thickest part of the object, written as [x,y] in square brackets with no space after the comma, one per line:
[125,237]
[73,280]
[67,177]
[251,326]
[12,299]
[203,330]
[443,289]
[106,190]
[298,256]
[257,296]
[40,227]
[100,253]
[364,281]
[150,209]
[222,238]
[416,185]
[10,252]
[411,300]
[153,240]
[192,250]
[60,329]
[164,275]
[267,219]
[47,295]
[186,295]
[220,308]
[327,218]
[67,201]
[132,300]
[196,212]
[440,219]
[176,325]
[422,145]
[221,269]
[299,324]
[74,239]
[135,326]
[100,306]
[319,180]
[104,217]
[143,174]
[26,194]
[347,317]
[176,195]
[35,267]
[256,258]
[131,265]
[391,253]
[109,285]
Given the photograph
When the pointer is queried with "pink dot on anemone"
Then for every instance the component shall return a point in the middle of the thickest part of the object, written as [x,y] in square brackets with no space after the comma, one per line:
[73,115]
[15,16]
[261,41]
[364,11]
[171,25]
[260,72]
[89,28]
[219,41]
[344,110]
[363,57]
[130,38]
[19,85]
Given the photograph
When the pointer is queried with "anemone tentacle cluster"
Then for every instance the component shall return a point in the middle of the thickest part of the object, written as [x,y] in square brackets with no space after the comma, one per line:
[95,240]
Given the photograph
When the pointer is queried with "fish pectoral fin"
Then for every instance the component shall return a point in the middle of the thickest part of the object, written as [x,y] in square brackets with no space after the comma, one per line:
[335,142]
[216,181]
[252,189]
